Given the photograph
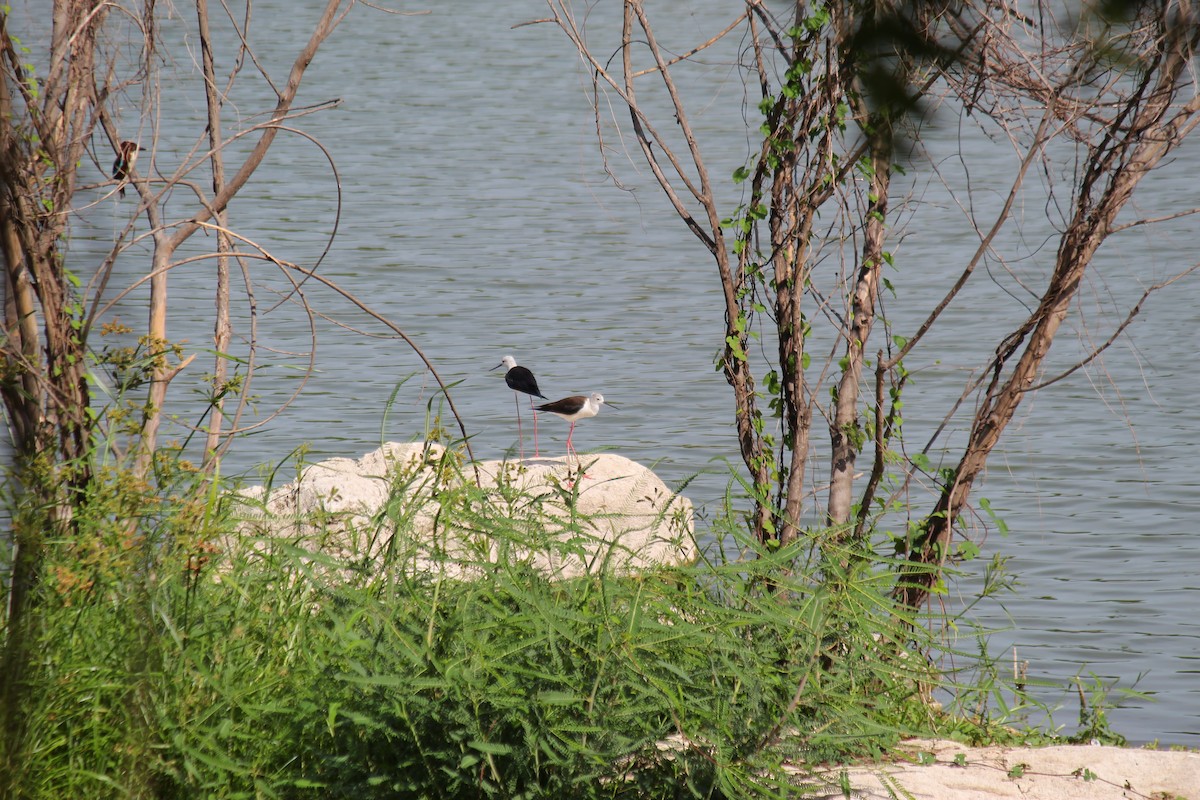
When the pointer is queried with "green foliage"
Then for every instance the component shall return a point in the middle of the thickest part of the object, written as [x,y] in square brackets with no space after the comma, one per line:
[177,660]
[176,656]
[1094,727]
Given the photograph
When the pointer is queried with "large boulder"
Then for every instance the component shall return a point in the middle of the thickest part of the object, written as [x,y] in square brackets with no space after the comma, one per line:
[417,502]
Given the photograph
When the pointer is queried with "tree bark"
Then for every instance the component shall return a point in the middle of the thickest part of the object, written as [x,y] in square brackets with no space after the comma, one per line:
[846,431]
[1134,142]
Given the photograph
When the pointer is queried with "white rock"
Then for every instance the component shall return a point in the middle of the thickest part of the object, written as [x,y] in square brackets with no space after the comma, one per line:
[952,771]
[619,517]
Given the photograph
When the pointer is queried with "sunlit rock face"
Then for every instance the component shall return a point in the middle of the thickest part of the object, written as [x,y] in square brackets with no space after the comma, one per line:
[416,503]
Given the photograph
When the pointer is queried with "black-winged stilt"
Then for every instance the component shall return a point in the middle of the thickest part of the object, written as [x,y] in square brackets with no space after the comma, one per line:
[573,409]
[127,154]
[521,380]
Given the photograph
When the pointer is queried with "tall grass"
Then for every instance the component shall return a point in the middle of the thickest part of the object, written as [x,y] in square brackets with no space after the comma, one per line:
[167,669]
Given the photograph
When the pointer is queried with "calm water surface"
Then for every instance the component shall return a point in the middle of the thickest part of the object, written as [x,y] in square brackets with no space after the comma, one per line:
[477,216]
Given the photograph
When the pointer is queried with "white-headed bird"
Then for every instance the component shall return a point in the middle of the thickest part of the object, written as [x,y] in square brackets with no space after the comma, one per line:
[521,381]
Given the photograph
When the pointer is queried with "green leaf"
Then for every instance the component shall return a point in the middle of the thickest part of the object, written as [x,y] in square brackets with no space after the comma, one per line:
[551,697]
[1001,526]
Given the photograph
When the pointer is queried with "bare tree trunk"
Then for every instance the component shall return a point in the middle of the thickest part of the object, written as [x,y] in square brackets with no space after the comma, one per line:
[156,337]
[20,315]
[44,386]
[1136,140]
[791,253]
[166,245]
[846,431]
[222,327]
[835,83]
[734,361]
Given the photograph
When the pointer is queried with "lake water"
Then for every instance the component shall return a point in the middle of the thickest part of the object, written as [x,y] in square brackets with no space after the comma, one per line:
[478,217]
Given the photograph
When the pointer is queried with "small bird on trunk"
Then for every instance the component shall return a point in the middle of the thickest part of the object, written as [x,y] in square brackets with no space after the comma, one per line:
[127,154]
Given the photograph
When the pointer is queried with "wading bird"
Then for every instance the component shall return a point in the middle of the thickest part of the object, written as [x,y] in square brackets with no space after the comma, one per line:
[521,381]
[573,409]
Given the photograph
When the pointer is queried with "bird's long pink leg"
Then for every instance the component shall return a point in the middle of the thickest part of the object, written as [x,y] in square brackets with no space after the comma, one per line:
[571,433]
[571,449]
[536,450]
[520,434]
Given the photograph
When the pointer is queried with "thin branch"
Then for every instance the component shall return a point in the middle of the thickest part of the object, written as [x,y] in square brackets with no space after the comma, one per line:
[1116,334]
[698,48]
[1035,149]
[329,19]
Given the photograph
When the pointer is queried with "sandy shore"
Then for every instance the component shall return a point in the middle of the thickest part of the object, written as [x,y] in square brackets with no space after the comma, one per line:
[951,771]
